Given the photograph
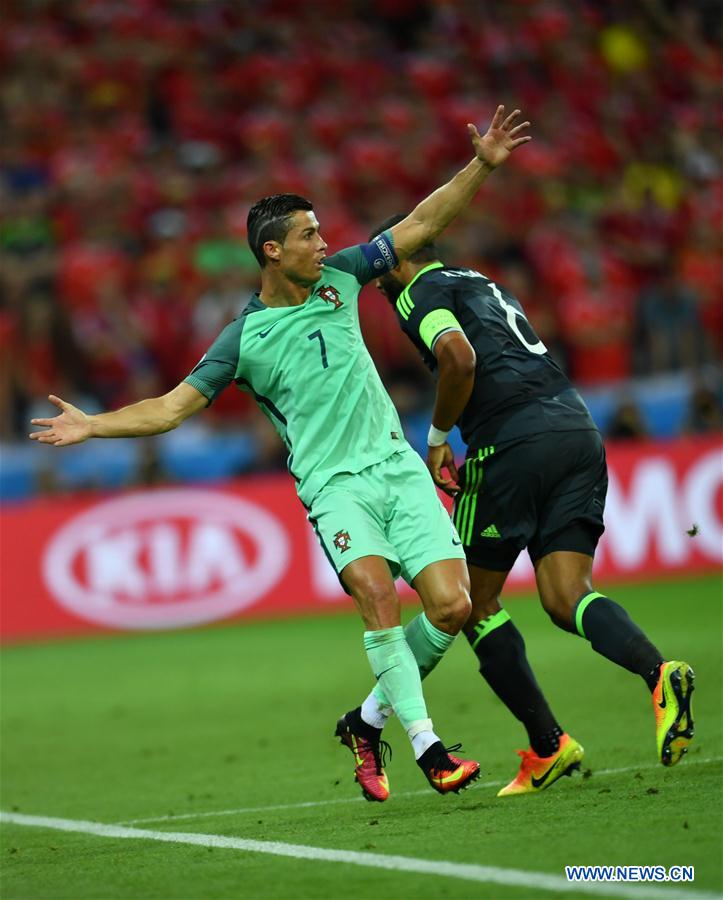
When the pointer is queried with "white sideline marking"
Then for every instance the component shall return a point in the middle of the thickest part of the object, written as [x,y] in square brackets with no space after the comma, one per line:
[487,874]
[357,799]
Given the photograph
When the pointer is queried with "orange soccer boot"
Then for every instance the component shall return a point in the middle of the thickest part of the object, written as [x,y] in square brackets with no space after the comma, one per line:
[539,772]
[369,754]
[447,774]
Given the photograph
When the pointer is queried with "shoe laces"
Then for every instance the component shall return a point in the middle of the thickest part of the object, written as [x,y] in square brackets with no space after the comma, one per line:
[383,755]
[442,761]
[528,758]
[381,751]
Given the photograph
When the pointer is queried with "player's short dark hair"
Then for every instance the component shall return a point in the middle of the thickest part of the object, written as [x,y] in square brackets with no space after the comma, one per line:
[269,219]
[427,253]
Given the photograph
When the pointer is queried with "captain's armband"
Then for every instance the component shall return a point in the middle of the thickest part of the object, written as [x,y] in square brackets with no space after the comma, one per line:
[380,254]
[435,324]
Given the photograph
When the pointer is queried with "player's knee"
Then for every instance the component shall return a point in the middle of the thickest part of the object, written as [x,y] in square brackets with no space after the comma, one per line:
[560,607]
[377,601]
[485,594]
[557,617]
[484,606]
[379,596]
[452,613]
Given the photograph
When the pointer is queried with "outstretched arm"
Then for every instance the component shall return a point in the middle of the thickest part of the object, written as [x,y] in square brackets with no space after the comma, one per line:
[153,416]
[434,213]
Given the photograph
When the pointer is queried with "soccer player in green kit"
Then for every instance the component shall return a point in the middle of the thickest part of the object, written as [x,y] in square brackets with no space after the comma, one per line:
[298,349]
[534,476]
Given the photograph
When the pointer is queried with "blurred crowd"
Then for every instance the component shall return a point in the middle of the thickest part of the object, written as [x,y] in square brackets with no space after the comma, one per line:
[137,134]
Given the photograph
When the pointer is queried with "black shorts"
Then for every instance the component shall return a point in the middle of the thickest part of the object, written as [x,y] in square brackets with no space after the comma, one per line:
[545,492]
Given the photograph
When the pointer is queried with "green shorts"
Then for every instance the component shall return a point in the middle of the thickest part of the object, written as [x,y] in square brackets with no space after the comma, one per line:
[390,509]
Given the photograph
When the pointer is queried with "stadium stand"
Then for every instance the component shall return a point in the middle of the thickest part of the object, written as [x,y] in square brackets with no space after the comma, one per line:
[136,136]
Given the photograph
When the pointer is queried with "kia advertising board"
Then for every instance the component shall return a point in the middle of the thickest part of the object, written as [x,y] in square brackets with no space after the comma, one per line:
[165,559]
[175,557]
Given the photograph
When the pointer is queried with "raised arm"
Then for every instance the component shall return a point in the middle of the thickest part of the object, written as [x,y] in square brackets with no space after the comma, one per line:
[430,217]
[153,416]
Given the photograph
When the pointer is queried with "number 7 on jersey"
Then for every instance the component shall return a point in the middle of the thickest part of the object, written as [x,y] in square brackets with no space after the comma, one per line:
[322,345]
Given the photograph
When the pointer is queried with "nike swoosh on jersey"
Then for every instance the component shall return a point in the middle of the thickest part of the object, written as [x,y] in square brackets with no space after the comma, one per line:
[262,334]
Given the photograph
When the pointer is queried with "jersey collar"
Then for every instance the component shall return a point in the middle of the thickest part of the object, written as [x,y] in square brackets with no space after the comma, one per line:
[434,265]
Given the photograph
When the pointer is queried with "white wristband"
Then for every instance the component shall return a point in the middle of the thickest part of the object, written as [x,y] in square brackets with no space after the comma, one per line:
[436,437]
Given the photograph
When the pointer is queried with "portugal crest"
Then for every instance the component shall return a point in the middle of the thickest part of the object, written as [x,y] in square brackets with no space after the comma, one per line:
[329,293]
[342,541]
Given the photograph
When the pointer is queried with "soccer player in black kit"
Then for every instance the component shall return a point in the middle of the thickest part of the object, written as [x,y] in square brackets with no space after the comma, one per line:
[534,476]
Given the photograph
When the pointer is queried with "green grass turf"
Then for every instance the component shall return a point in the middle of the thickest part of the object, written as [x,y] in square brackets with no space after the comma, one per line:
[119,728]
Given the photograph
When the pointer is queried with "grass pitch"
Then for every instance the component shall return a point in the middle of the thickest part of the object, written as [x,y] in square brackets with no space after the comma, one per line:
[228,731]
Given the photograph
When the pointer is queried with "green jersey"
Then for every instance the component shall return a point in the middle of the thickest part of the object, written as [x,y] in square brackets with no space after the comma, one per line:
[311,374]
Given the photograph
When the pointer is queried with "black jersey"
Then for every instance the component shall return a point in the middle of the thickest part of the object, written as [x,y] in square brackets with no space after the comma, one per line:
[519,389]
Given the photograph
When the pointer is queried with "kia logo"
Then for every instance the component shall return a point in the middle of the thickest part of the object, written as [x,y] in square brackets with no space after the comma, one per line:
[165,559]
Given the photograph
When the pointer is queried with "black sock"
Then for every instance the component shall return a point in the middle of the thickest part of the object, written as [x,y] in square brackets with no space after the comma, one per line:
[361,728]
[614,635]
[500,649]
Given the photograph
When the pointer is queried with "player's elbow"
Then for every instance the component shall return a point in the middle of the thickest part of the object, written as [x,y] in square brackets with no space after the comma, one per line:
[458,361]
[411,234]
[173,420]
[180,403]
[466,365]
[168,417]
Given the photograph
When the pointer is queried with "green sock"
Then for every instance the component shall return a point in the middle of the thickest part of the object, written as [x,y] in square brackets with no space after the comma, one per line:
[427,643]
[396,670]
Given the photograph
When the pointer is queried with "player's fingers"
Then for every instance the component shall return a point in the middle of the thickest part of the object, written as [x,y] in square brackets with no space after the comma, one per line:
[44,437]
[518,128]
[56,401]
[516,143]
[435,470]
[452,469]
[472,129]
[498,116]
[507,124]
[41,421]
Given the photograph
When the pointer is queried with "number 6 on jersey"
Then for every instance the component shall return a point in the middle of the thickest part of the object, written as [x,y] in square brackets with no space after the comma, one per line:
[512,314]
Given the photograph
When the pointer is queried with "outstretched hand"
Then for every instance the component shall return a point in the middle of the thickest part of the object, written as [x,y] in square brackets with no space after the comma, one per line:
[501,138]
[439,458]
[72,426]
